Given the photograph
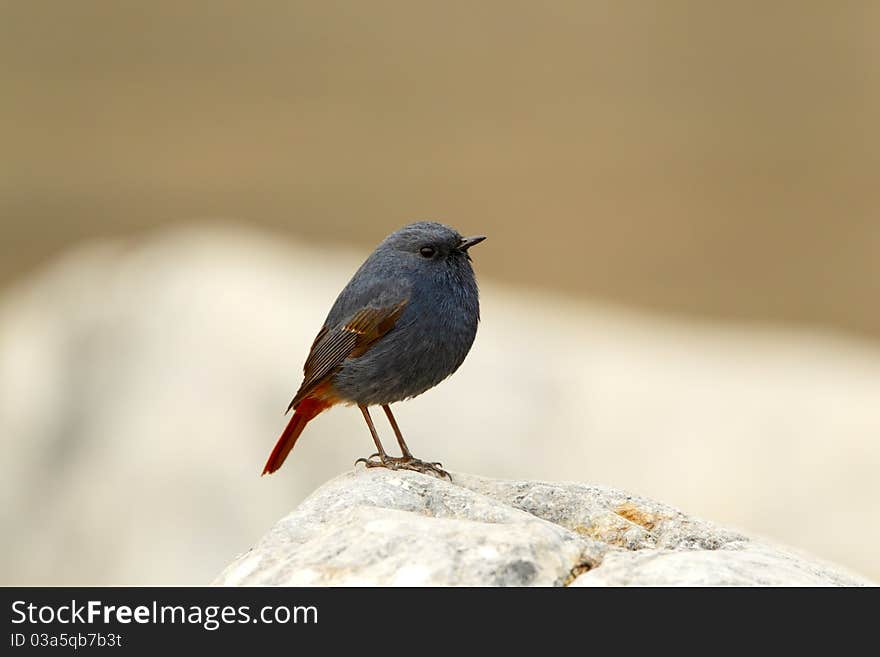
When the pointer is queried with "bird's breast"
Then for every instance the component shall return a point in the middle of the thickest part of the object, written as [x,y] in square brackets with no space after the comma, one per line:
[428,343]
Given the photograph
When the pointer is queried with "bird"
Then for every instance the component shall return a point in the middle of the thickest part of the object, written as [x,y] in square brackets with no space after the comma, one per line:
[404,322]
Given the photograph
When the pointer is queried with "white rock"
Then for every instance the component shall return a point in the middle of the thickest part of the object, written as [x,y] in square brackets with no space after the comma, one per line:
[384,528]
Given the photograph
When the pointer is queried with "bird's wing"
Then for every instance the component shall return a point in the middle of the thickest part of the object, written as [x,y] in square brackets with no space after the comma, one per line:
[332,346]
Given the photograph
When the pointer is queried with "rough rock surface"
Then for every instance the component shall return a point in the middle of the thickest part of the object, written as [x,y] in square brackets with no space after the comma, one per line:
[378,527]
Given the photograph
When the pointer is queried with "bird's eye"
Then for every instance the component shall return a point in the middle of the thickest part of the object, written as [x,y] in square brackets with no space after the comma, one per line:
[427,251]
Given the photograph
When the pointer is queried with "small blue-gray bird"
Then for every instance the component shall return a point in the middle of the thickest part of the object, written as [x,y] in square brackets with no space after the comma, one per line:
[405,321]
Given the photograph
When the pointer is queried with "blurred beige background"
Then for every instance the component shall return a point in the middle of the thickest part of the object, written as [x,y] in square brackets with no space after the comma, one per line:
[717,158]
[684,193]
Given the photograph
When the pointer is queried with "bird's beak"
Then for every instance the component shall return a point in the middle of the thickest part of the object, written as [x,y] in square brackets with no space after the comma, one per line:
[468,242]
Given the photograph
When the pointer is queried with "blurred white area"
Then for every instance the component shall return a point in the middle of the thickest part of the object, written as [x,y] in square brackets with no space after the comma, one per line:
[142,388]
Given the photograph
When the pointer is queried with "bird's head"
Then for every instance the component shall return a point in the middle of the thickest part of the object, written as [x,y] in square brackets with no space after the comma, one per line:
[430,246]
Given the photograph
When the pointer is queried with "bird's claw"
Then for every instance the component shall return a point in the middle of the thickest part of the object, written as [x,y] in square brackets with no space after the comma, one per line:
[369,460]
[405,463]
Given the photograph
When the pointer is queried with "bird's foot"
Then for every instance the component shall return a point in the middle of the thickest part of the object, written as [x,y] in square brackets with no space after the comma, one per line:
[405,463]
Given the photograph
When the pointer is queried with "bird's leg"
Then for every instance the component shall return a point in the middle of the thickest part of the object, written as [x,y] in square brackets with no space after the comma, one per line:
[408,461]
[383,457]
[400,441]
[405,462]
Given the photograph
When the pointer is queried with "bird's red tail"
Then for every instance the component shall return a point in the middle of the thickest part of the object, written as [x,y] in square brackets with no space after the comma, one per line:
[306,410]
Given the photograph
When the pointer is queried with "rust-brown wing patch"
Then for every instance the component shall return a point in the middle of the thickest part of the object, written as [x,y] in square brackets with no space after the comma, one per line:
[332,346]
